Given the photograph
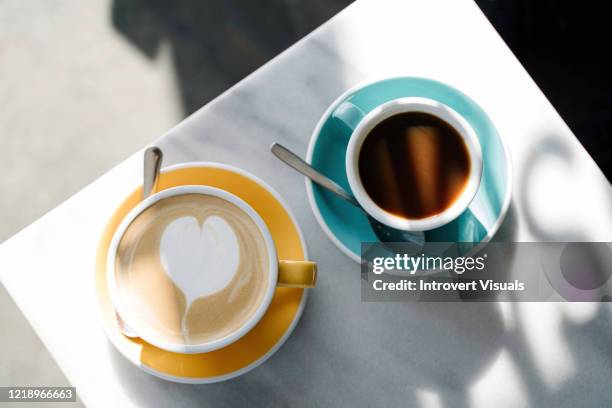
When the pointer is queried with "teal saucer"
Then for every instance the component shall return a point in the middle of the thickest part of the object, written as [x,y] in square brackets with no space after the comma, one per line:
[347,227]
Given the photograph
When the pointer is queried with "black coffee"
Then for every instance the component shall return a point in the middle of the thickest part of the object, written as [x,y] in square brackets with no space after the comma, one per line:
[414,165]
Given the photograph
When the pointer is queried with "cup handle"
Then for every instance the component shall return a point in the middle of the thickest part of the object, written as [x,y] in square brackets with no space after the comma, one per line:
[297,274]
[347,116]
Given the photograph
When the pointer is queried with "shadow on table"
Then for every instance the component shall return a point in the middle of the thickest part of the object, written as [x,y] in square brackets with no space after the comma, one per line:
[215,43]
[586,345]
[566,230]
[583,348]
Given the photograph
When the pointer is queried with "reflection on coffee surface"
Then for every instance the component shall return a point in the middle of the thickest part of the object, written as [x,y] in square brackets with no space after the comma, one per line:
[414,165]
[192,268]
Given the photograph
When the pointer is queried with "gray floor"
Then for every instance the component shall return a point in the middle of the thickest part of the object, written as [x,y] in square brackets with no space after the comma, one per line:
[85,83]
[62,124]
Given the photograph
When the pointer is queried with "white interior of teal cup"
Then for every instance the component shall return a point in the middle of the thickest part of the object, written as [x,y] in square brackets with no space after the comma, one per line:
[148,334]
[424,105]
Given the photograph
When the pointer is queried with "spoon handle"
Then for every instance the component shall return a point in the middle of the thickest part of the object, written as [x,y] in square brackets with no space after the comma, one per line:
[296,162]
[152,164]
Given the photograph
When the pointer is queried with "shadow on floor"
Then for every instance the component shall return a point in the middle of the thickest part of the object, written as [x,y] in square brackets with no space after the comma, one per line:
[215,43]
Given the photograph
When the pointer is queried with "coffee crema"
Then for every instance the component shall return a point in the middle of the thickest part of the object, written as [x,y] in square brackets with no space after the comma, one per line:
[192,268]
[414,165]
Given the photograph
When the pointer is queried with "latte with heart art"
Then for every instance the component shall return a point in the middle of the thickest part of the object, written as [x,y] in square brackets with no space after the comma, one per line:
[192,268]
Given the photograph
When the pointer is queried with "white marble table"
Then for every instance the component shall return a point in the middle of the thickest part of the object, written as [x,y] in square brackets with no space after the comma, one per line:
[344,352]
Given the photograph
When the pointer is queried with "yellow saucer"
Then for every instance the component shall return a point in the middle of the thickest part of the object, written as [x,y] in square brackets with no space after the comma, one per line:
[274,327]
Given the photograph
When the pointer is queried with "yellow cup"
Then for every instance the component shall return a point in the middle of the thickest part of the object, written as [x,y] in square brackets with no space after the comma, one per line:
[287,273]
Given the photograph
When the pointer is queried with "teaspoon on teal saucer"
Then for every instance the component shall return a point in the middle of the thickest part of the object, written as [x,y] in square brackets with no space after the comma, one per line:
[383,232]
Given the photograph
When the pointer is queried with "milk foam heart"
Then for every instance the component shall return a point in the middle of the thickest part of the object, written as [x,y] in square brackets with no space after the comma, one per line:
[200,260]
[200,245]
